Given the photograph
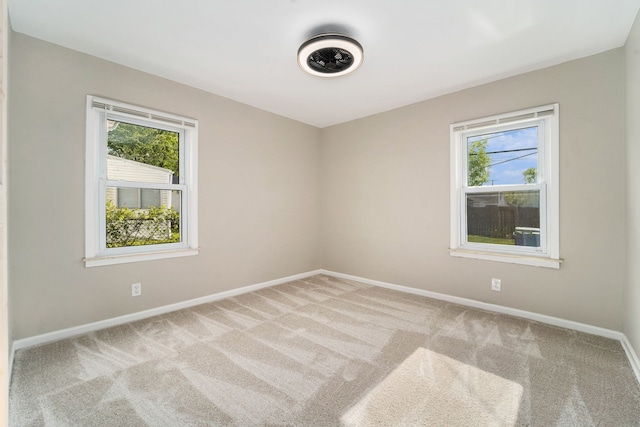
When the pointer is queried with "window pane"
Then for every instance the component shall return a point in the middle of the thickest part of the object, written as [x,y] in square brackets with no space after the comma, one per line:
[152,222]
[142,154]
[504,218]
[128,198]
[151,198]
[500,158]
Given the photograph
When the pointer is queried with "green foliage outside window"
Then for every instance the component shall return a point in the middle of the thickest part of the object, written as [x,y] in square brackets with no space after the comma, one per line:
[146,145]
[137,227]
[530,175]
[479,161]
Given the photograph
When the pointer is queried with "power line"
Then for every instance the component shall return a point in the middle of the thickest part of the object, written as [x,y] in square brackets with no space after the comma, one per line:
[511,160]
[512,151]
[475,138]
[506,151]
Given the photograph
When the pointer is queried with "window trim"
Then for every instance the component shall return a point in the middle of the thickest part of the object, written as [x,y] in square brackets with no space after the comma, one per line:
[548,184]
[96,253]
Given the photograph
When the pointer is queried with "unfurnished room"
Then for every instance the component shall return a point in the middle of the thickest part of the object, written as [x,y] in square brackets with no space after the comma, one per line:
[338,213]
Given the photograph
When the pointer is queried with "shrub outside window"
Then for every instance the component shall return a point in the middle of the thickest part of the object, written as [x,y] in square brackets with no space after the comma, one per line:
[504,187]
[141,184]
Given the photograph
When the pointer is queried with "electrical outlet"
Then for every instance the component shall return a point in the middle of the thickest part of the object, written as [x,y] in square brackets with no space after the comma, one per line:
[136,289]
[496,285]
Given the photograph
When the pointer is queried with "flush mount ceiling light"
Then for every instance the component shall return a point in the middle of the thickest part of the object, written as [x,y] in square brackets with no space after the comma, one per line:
[330,55]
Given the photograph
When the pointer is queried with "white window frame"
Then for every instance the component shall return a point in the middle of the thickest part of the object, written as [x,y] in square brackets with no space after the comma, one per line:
[98,111]
[548,254]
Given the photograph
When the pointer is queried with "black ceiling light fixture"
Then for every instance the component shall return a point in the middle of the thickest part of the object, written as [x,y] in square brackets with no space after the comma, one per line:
[330,55]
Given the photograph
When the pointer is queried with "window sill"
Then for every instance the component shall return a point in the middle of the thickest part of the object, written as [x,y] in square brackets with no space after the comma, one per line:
[509,258]
[149,256]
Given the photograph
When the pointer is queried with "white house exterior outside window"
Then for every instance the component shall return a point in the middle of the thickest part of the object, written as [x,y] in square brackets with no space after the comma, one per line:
[505,188]
[141,184]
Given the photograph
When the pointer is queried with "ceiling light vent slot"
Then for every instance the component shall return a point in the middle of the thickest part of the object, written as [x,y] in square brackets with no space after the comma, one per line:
[330,55]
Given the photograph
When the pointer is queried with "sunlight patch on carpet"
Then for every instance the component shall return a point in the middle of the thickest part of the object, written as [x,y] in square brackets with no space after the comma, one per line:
[429,388]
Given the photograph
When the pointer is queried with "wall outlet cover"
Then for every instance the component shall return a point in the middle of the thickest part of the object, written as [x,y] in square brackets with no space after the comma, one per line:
[136,289]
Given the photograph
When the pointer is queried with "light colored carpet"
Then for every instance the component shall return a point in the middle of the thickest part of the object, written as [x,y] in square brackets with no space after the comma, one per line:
[326,352]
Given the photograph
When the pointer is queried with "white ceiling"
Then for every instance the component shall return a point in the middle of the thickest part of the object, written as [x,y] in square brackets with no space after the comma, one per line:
[246,49]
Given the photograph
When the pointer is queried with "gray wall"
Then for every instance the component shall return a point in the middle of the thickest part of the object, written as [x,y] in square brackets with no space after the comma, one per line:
[258,199]
[369,197]
[5,328]
[632,309]
[385,194]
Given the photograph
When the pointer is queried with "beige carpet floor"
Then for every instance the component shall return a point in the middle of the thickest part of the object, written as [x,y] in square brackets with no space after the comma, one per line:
[326,352]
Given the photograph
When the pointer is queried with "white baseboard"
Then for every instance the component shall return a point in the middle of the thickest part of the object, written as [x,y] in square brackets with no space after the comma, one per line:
[632,355]
[77,330]
[12,352]
[550,320]
[107,323]
[486,306]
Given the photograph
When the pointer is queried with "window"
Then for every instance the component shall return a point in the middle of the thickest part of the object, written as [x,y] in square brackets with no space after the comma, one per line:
[141,184]
[138,198]
[504,188]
